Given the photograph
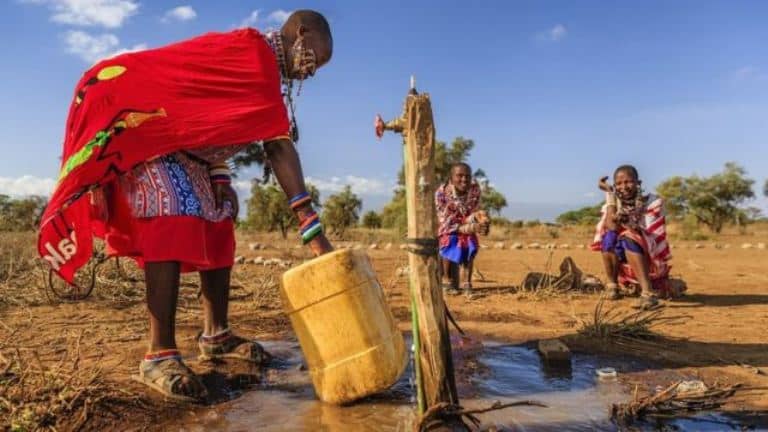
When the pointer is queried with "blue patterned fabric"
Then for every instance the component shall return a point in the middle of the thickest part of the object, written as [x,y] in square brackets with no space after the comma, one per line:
[188,201]
[619,245]
[461,248]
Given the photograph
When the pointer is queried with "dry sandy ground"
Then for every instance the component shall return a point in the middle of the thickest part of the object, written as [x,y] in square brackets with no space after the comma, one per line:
[723,335]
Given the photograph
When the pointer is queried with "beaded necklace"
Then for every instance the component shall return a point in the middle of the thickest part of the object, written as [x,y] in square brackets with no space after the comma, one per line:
[275,41]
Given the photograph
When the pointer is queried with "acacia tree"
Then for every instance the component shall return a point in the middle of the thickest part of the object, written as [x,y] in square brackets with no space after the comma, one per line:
[371,220]
[268,208]
[20,214]
[341,211]
[714,200]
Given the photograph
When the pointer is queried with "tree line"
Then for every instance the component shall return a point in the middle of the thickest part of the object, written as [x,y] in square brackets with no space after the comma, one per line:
[712,201]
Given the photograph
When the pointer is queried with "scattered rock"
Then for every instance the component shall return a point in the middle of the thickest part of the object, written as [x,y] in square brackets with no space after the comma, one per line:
[498,245]
[388,246]
[747,246]
[258,260]
[698,246]
[357,246]
[761,246]
[403,247]
[564,246]
[555,352]
[373,246]
[517,246]
[273,262]
[551,246]
[580,246]
[254,246]
[239,259]
[534,246]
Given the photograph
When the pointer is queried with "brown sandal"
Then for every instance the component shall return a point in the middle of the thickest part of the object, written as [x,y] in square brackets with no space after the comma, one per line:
[227,345]
[165,376]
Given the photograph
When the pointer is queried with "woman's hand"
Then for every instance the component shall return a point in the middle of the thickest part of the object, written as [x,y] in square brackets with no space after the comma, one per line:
[604,185]
[225,192]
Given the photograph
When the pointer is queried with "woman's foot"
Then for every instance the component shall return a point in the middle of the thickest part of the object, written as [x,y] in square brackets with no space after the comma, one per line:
[449,289]
[227,345]
[647,302]
[468,291]
[612,291]
[166,373]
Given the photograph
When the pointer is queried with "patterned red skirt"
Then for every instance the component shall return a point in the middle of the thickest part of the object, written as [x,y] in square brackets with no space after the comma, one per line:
[196,243]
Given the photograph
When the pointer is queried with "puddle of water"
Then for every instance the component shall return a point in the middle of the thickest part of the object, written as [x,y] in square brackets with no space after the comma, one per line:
[576,399]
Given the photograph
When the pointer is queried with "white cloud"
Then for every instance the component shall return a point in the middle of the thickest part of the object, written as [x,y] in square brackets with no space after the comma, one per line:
[251,20]
[180,13]
[26,185]
[94,48]
[360,185]
[555,34]
[748,73]
[104,13]
[278,16]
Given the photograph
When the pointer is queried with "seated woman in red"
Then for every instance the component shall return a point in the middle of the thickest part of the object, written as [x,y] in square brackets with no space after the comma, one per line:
[632,238]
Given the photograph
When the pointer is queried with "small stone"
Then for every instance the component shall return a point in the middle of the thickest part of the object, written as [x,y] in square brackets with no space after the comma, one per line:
[761,246]
[564,246]
[580,246]
[698,246]
[254,246]
[373,246]
[388,246]
[258,260]
[534,246]
[554,352]
[403,247]
[747,246]
[551,246]
[357,246]
[517,246]
[498,245]
[239,259]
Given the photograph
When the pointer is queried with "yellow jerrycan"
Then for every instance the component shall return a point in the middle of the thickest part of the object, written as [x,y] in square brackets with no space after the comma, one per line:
[345,327]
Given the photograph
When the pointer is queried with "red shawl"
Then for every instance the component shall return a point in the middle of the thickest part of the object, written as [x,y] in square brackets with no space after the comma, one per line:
[214,90]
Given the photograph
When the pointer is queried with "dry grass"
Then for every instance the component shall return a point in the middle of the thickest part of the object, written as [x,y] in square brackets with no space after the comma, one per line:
[56,395]
[616,325]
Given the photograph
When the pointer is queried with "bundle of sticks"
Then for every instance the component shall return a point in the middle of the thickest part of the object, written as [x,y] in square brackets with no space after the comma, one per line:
[671,402]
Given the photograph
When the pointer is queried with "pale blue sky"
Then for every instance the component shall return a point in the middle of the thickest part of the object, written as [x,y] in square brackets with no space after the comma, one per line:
[554,93]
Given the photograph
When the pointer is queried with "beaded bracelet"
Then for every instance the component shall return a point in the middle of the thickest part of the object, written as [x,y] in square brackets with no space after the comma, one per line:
[309,219]
[311,231]
[300,200]
[220,173]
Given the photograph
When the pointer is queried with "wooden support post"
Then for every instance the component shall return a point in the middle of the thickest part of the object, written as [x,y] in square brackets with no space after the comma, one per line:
[437,382]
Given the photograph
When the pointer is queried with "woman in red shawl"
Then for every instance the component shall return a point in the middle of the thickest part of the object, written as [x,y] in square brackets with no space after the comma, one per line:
[460,220]
[159,181]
